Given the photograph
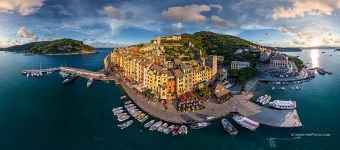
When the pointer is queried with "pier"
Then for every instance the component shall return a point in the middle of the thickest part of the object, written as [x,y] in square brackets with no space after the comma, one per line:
[96,75]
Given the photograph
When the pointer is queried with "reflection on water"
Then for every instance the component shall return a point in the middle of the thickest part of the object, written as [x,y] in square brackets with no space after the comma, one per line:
[314,56]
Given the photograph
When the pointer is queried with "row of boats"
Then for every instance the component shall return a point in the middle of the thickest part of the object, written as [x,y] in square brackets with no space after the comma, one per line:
[71,77]
[283,88]
[278,104]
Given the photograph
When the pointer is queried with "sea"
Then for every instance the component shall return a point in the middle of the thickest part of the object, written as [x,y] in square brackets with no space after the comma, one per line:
[44,114]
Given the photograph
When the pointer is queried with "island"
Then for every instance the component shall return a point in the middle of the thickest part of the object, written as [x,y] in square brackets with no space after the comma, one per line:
[55,47]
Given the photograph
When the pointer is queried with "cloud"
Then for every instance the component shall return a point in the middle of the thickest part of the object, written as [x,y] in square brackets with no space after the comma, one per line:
[110,11]
[299,8]
[177,26]
[283,30]
[218,21]
[189,12]
[30,37]
[24,7]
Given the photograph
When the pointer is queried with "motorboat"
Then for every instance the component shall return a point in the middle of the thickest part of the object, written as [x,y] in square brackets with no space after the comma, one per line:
[199,125]
[125,124]
[69,79]
[175,130]
[162,127]
[64,74]
[156,125]
[89,82]
[121,118]
[246,123]
[123,97]
[148,124]
[264,99]
[281,104]
[229,127]
[208,118]
[183,129]
[144,119]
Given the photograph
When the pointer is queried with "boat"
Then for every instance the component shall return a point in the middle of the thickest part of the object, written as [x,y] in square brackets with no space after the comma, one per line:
[229,127]
[246,123]
[175,130]
[64,74]
[125,124]
[144,119]
[121,118]
[148,124]
[273,88]
[321,71]
[162,127]
[208,118]
[89,82]
[183,129]
[281,104]
[156,125]
[263,99]
[322,52]
[123,97]
[298,88]
[283,88]
[199,125]
[116,112]
[337,49]
[117,108]
[166,130]
[69,79]
[127,102]
[129,105]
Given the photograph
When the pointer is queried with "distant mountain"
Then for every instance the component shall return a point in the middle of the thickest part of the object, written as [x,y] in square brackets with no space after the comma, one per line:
[61,46]
[288,49]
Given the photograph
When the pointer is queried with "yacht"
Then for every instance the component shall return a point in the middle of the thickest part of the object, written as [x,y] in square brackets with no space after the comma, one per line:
[125,124]
[162,127]
[229,127]
[148,124]
[246,123]
[199,125]
[280,104]
[156,125]
[264,99]
[183,129]
[123,117]
[89,82]
[69,79]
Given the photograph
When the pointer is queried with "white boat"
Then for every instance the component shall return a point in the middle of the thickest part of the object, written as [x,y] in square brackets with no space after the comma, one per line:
[116,112]
[127,102]
[117,108]
[64,74]
[280,104]
[123,97]
[229,127]
[148,124]
[208,118]
[89,82]
[166,131]
[125,124]
[162,127]
[246,123]
[273,88]
[156,125]
[264,99]
[122,117]
[144,119]
[199,125]
[183,130]
[283,88]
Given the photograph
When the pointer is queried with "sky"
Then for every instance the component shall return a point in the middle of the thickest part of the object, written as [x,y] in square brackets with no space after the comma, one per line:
[112,23]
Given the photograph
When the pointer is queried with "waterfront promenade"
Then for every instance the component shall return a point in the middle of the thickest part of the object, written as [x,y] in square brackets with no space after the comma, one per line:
[238,103]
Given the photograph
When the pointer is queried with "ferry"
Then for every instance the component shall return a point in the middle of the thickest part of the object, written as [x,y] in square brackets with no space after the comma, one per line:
[155,126]
[69,79]
[89,82]
[125,124]
[199,125]
[280,104]
[183,130]
[264,99]
[246,123]
[148,124]
[229,127]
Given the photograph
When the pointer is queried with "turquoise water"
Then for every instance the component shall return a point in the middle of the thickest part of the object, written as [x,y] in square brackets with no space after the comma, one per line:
[43,114]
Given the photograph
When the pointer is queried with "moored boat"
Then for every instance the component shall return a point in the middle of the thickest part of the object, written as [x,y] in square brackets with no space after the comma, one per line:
[121,118]
[208,118]
[148,124]
[125,124]
[229,127]
[183,129]
[246,123]
[89,82]
[156,125]
[280,104]
[175,130]
[123,97]
[69,79]
[199,125]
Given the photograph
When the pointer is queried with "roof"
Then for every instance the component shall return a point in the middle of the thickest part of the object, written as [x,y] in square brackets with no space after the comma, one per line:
[240,62]
[177,73]
[187,96]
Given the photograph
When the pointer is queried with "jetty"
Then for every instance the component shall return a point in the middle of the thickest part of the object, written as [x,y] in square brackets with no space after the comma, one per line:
[95,75]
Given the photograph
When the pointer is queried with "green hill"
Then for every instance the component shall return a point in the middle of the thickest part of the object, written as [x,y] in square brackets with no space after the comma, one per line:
[61,46]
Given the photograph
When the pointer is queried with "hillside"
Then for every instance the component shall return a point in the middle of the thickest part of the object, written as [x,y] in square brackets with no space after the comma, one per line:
[61,46]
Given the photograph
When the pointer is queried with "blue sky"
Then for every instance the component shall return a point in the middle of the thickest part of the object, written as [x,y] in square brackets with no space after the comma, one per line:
[109,23]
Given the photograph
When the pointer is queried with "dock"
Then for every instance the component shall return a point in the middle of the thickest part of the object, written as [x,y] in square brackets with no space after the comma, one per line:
[96,75]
